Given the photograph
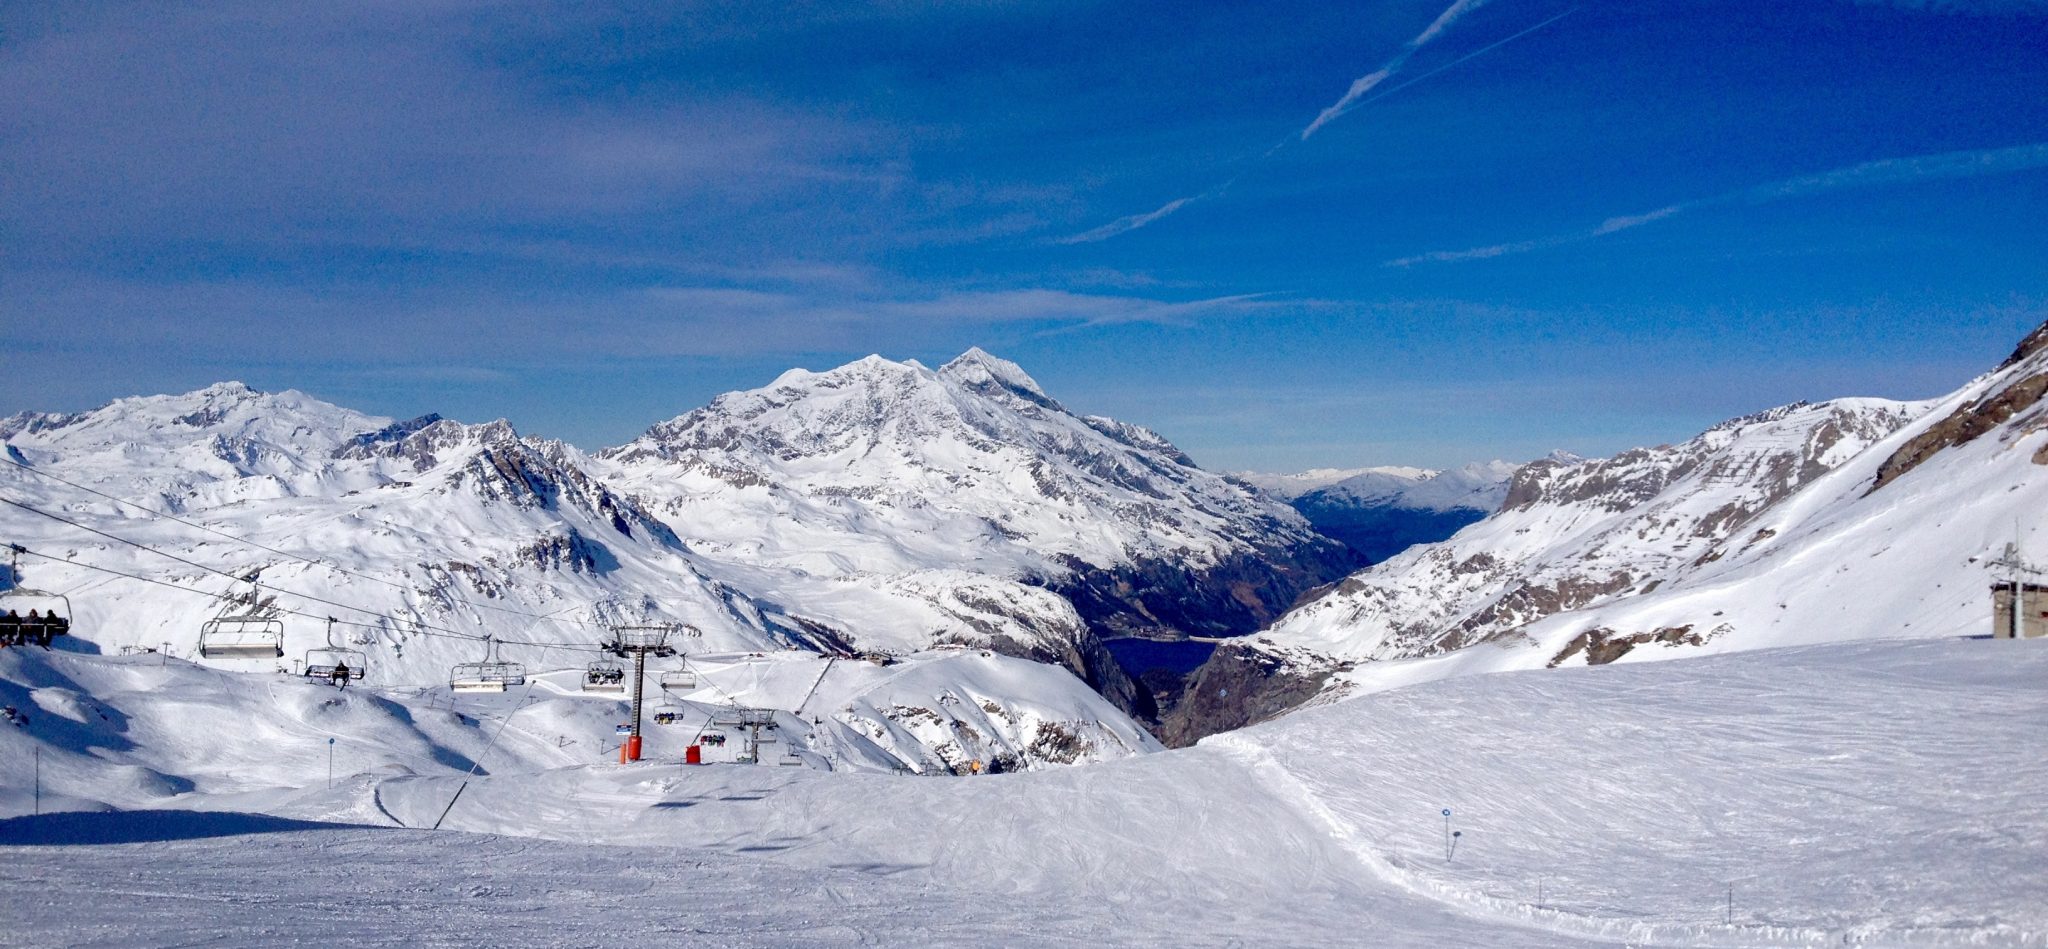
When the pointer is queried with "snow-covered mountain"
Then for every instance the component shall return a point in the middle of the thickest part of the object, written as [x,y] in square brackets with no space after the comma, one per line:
[1287,487]
[1856,518]
[1380,512]
[423,537]
[879,508]
[893,478]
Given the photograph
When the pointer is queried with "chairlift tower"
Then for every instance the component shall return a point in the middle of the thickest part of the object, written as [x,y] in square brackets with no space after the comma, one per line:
[639,642]
[2018,569]
[751,720]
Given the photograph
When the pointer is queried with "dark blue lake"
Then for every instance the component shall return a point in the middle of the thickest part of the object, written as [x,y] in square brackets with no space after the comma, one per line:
[1139,656]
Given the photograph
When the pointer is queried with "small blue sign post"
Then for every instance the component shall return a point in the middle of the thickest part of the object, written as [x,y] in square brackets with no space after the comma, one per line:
[330,764]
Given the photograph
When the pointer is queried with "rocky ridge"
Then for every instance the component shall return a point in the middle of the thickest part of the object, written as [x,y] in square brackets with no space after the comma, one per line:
[1810,522]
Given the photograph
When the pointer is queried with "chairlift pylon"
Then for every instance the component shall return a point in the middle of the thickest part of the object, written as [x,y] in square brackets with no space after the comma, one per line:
[322,662]
[490,675]
[41,622]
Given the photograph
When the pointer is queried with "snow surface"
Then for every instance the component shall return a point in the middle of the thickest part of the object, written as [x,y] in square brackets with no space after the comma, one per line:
[1873,793]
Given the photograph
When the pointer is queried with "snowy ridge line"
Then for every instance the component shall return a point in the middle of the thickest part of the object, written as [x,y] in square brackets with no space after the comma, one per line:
[423,629]
[1259,761]
[312,562]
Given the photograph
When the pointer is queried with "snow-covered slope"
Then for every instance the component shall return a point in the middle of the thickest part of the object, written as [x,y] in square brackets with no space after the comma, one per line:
[144,730]
[881,480]
[1865,794]
[1849,519]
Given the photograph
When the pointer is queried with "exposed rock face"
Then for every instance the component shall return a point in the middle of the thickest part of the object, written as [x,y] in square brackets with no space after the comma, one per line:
[1241,686]
[1602,646]
[1969,422]
[1240,594]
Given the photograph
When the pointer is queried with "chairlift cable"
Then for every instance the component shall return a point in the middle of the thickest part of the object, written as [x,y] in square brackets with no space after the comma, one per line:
[256,544]
[421,628]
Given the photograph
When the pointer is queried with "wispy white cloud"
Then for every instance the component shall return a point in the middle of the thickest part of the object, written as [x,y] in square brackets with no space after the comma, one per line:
[1127,223]
[1365,84]
[378,330]
[1870,174]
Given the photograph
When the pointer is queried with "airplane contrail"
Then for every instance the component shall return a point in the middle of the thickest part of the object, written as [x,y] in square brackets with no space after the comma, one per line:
[1870,174]
[1481,51]
[1351,100]
[1365,83]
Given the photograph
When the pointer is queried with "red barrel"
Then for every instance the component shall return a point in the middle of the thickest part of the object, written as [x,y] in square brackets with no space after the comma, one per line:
[693,754]
[630,751]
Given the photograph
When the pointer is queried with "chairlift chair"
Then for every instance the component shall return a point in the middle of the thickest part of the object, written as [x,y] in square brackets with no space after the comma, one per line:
[678,680]
[490,675]
[242,636]
[790,759]
[728,717]
[243,630]
[604,677]
[668,713]
[322,661]
[18,603]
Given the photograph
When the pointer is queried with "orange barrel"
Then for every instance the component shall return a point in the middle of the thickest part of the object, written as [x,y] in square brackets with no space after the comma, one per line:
[693,754]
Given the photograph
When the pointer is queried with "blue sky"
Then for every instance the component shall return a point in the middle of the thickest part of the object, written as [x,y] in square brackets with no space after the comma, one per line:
[1545,224]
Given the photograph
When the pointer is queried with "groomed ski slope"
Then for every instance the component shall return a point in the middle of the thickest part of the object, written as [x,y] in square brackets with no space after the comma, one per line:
[1884,793]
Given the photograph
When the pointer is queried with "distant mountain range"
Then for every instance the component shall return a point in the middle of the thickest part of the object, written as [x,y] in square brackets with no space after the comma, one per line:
[1382,511]
[886,508]
[1849,519]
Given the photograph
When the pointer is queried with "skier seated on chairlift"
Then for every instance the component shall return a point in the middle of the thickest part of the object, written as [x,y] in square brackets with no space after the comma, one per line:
[340,675]
[10,628]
